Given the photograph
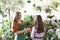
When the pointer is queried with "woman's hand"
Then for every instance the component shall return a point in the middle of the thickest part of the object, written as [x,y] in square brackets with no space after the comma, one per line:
[28,29]
[18,32]
[25,29]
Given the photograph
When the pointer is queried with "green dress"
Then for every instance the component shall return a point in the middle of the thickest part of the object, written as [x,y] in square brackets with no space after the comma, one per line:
[20,36]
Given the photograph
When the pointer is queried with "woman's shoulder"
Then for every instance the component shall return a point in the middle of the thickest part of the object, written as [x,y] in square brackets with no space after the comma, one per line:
[22,21]
[14,23]
[15,27]
[33,27]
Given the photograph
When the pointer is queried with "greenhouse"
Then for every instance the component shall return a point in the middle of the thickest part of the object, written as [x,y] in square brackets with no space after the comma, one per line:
[28,14]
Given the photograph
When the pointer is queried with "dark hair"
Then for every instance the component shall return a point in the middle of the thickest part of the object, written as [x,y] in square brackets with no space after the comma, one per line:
[40,26]
[16,17]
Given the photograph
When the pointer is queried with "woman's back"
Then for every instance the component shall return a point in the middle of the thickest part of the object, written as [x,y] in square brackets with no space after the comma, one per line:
[35,35]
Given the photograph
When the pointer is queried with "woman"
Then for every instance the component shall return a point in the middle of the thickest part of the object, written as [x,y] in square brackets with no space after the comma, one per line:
[18,27]
[38,30]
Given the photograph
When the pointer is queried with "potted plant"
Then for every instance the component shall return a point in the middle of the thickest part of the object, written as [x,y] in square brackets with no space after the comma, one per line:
[28,23]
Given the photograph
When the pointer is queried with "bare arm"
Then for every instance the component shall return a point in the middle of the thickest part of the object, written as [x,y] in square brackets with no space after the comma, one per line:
[19,32]
[26,29]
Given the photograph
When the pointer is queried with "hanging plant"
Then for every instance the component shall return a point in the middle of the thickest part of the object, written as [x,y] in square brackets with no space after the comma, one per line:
[25,11]
[41,0]
[28,1]
[48,10]
[34,5]
[38,8]
[20,1]
[55,4]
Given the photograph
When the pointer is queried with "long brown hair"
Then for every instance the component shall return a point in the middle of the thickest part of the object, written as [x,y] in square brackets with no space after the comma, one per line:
[40,27]
[15,23]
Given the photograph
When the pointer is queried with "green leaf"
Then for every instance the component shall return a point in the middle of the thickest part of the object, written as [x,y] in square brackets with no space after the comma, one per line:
[20,1]
[3,1]
[50,16]
[41,0]
[1,12]
[25,11]
[28,1]
[38,8]
[53,8]
[27,17]
[48,10]
[1,31]
[6,23]
[34,5]
[55,4]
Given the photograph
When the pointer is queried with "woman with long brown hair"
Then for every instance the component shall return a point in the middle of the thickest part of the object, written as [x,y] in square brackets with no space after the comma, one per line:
[18,27]
[38,29]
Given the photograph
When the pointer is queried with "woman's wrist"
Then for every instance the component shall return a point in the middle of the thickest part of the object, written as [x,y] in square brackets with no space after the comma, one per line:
[24,29]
